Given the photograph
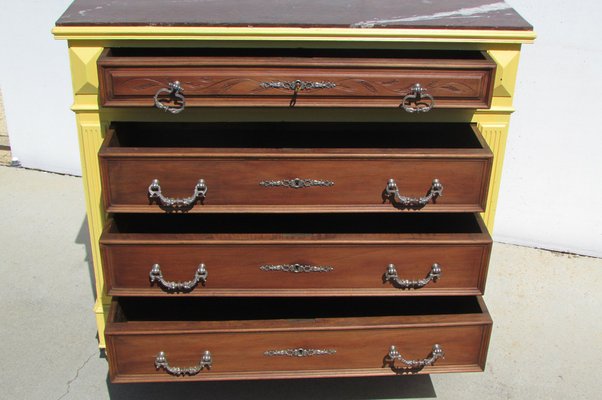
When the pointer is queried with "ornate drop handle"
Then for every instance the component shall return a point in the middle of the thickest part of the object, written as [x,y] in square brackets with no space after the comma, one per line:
[430,360]
[154,192]
[391,275]
[298,85]
[161,362]
[199,276]
[417,93]
[392,192]
[175,93]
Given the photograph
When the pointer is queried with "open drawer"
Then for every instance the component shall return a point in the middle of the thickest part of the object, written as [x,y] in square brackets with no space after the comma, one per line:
[266,338]
[295,255]
[172,79]
[294,167]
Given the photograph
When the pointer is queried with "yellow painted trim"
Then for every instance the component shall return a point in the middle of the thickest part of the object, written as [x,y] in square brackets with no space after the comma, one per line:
[291,34]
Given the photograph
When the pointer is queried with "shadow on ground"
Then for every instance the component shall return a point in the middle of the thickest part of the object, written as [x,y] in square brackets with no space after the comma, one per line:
[373,388]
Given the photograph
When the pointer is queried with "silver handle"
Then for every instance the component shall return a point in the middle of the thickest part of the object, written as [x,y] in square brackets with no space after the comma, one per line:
[175,94]
[435,354]
[199,276]
[417,95]
[200,192]
[391,275]
[392,191]
[161,362]
[298,85]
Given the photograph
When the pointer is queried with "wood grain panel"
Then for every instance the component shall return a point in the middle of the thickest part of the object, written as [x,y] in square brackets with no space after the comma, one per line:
[234,270]
[360,346]
[236,80]
[356,178]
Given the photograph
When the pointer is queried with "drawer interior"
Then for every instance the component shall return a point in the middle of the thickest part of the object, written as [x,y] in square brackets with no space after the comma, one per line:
[297,53]
[133,309]
[296,135]
[319,223]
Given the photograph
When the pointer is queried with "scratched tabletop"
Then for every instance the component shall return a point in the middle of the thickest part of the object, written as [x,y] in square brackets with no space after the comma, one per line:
[436,14]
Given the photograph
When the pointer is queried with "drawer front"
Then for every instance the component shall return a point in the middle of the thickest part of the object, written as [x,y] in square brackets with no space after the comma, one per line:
[264,184]
[328,353]
[296,81]
[297,270]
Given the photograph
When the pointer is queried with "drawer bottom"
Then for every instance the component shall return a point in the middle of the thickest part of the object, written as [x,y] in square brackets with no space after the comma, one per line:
[229,339]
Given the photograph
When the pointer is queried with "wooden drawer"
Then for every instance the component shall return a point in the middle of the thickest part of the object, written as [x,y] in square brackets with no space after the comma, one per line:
[295,255]
[267,77]
[295,167]
[268,338]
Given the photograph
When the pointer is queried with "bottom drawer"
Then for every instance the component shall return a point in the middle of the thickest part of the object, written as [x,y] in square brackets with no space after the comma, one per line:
[178,339]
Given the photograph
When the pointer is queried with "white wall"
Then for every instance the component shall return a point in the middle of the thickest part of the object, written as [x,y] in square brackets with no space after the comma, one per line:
[550,195]
[36,86]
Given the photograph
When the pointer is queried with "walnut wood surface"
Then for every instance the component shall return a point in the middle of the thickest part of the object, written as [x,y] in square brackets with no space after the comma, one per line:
[234,270]
[359,260]
[238,347]
[235,80]
[450,14]
[233,177]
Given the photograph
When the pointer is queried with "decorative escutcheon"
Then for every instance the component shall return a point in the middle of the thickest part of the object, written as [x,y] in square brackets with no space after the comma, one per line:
[392,192]
[417,95]
[200,192]
[296,268]
[391,275]
[161,362]
[435,354]
[300,352]
[175,94]
[199,276]
[297,183]
[298,85]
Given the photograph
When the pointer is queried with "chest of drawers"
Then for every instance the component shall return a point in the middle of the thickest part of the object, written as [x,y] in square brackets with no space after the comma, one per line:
[299,196]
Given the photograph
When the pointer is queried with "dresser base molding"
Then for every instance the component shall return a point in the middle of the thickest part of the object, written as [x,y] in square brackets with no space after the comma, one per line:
[359,341]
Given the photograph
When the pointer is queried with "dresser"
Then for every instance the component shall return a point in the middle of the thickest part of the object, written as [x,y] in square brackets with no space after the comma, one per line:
[281,189]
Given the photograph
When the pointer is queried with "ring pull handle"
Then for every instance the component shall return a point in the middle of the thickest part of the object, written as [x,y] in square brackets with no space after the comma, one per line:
[433,275]
[417,95]
[161,362]
[435,354]
[175,94]
[155,193]
[392,191]
[199,276]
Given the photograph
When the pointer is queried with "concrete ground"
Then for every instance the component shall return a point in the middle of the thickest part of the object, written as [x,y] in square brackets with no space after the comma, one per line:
[546,343]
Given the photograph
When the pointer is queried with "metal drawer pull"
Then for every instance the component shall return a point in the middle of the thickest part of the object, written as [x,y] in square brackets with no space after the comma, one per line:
[430,360]
[154,192]
[199,276]
[161,362]
[175,94]
[391,275]
[392,192]
[298,85]
[417,95]
[300,352]
[296,268]
[297,183]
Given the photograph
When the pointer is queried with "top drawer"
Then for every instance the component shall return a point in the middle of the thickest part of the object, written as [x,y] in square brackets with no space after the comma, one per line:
[410,80]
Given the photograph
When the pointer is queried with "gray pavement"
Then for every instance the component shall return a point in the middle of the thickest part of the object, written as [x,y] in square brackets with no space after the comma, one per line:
[546,341]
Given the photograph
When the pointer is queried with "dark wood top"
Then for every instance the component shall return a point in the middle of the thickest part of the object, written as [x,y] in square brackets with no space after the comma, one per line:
[449,14]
